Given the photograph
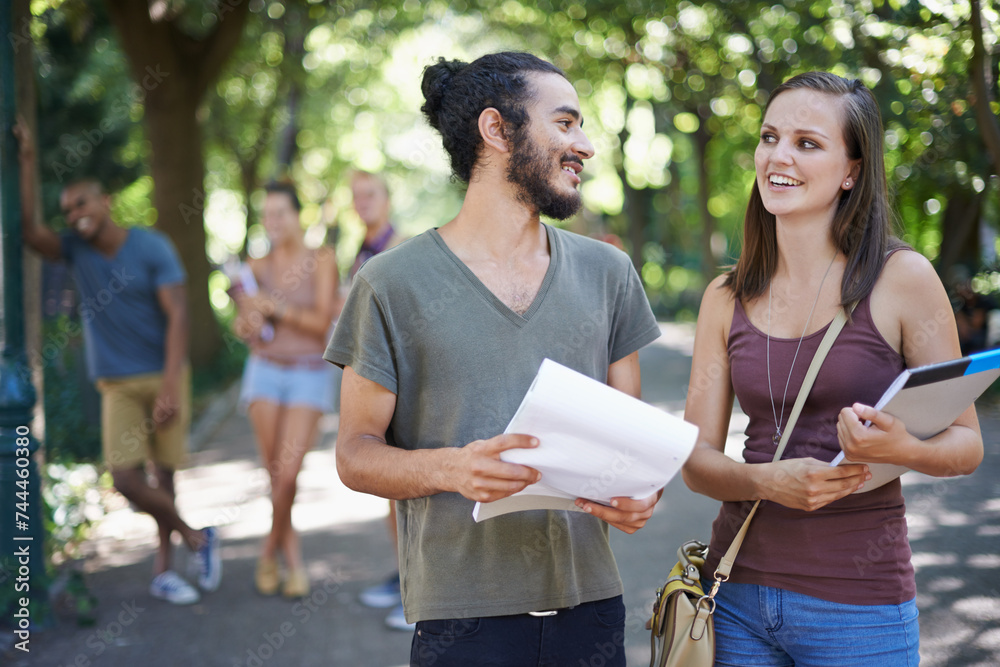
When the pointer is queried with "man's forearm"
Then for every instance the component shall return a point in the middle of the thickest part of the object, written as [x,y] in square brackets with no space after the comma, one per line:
[369,465]
[175,346]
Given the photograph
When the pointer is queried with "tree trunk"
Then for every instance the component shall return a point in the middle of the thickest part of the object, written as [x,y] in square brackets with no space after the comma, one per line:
[175,70]
[708,262]
[960,232]
[178,171]
[980,74]
[633,207]
[288,145]
[635,214]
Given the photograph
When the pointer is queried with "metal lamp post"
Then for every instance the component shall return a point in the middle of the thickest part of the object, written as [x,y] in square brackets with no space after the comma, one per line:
[22,558]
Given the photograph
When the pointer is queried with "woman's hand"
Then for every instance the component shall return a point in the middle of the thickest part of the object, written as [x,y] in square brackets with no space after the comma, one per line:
[809,484]
[884,440]
[264,305]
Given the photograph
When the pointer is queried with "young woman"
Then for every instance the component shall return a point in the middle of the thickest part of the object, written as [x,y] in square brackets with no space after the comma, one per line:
[824,576]
[287,385]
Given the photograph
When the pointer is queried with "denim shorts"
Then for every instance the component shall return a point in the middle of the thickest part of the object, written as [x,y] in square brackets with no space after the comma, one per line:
[761,625]
[308,384]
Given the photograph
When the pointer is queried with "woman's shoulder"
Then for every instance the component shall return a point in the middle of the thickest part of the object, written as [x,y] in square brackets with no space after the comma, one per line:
[718,293]
[907,271]
[717,307]
[908,293]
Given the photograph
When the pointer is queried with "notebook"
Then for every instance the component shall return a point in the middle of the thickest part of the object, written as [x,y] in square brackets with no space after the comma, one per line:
[928,399]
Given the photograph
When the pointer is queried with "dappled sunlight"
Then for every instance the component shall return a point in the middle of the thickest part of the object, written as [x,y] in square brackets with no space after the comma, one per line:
[953,527]
[921,560]
[984,561]
[234,495]
[978,608]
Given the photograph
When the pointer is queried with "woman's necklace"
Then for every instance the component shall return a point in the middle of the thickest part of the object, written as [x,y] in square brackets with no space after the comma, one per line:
[776,438]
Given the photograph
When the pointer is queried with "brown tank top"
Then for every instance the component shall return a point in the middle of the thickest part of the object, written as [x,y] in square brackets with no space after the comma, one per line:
[296,287]
[854,550]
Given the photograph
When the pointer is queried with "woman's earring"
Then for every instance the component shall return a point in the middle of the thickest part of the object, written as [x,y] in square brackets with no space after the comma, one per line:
[847,183]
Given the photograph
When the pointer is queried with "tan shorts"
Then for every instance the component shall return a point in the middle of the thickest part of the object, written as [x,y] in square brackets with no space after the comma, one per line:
[130,433]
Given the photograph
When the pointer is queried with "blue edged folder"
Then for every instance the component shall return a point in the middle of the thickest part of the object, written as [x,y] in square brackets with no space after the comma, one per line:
[928,399]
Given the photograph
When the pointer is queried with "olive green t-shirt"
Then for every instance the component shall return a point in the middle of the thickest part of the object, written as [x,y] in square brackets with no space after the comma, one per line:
[419,323]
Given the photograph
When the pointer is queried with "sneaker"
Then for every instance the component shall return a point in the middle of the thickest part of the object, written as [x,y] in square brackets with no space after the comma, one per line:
[209,561]
[396,620]
[383,595]
[170,587]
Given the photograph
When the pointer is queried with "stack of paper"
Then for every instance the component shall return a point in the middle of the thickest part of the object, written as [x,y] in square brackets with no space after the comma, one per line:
[595,442]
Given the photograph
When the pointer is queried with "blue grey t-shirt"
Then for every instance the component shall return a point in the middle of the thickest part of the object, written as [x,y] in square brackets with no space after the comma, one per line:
[124,328]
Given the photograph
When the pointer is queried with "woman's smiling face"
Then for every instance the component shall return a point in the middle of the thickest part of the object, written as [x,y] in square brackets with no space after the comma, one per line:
[802,161]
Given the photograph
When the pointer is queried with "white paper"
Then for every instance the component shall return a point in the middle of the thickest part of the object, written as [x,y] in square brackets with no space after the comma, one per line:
[595,442]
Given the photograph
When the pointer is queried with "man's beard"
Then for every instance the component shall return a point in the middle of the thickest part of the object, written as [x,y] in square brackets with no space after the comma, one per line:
[530,169]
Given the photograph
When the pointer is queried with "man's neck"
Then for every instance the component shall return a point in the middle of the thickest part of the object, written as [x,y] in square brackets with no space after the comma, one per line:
[494,224]
[110,238]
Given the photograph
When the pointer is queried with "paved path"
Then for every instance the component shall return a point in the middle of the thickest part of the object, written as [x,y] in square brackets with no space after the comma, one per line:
[954,531]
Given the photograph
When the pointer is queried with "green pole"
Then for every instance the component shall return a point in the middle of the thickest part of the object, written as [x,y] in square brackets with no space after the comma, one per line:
[23,595]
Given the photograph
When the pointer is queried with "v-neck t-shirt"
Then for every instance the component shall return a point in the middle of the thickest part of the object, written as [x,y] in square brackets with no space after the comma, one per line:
[421,324]
[124,327]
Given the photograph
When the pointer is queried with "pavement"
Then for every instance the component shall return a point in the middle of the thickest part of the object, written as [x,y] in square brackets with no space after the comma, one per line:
[954,528]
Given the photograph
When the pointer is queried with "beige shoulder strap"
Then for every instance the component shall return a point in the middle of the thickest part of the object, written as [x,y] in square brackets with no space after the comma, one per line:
[726,563]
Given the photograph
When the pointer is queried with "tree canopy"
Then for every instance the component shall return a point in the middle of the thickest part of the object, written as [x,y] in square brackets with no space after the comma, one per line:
[672,92]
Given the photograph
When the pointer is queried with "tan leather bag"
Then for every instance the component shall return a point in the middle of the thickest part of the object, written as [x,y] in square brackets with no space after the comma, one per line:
[682,629]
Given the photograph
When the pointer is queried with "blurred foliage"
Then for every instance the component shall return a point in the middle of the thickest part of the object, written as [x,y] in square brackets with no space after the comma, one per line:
[672,92]
[74,498]
[87,100]
[72,406]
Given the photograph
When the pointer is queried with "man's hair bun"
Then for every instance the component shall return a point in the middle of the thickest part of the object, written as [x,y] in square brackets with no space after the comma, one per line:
[437,78]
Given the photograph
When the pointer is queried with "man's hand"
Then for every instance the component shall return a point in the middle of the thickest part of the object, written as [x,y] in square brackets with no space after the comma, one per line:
[25,143]
[625,514]
[478,473]
[167,405]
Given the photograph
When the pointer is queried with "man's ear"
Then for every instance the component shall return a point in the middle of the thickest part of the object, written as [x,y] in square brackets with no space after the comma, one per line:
[491,128]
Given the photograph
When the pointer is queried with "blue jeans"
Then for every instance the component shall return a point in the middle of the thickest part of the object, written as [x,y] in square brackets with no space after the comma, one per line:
[760,625]
[588,635]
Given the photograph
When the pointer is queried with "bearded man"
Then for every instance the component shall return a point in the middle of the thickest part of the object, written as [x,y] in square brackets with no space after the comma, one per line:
[441,337]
